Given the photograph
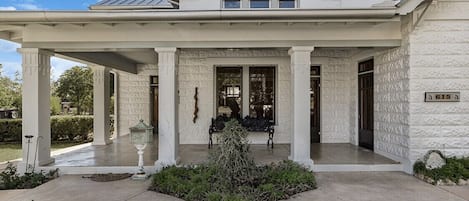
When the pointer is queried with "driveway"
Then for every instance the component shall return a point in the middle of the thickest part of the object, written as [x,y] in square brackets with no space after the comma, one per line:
[360,186]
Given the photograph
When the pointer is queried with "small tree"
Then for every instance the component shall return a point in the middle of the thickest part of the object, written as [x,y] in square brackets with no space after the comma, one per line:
[76,85]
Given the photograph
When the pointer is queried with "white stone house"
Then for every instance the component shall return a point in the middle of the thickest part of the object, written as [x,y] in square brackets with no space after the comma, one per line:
[324,71]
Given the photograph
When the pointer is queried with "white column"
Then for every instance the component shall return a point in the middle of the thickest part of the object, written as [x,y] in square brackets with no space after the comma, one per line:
[101,103]
[168,138]
[36,107]
[300,109]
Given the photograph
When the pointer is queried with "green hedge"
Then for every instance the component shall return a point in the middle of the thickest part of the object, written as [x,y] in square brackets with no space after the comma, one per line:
[63,128]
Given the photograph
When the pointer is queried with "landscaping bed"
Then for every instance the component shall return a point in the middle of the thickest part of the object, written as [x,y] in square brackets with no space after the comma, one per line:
[451,171]
[10,178]
[232,175]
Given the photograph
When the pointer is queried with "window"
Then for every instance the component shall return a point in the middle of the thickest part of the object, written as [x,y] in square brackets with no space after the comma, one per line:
[260,3]
[229,96]
[286,4]
[262,92]
[232,4]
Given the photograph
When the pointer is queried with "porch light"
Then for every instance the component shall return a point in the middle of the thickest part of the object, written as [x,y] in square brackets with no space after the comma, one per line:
[140,136]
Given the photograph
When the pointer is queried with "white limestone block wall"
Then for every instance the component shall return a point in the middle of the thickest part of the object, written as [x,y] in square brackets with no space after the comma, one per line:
[134,94]
[196,69]
[391,103]
[391,96]
[439,59]
[336,94]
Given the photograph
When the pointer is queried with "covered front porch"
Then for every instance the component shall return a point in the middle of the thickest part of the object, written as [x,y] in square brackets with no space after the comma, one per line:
[189,74]
[121,155]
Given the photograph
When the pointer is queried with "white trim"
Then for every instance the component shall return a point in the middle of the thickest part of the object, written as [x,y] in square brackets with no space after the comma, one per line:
[358,168]
[175,15]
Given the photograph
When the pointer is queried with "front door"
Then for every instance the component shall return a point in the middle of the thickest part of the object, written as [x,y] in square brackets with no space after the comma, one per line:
[315,85]
[365,104]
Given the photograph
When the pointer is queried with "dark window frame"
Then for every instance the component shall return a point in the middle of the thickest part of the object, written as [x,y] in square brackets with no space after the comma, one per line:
[252,4]
[232,2]
[280,3]
[272,92]
[226,89]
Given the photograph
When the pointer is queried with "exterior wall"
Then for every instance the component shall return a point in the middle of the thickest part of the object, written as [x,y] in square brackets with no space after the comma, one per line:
[196,69]
[134,97]
[439,53]
[337,96]
[391,103]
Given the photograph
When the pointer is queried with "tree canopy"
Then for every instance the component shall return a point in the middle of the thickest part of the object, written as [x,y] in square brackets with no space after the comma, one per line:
[10,91]
[76,85]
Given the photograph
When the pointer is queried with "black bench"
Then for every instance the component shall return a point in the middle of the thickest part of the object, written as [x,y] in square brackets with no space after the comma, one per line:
[251,125]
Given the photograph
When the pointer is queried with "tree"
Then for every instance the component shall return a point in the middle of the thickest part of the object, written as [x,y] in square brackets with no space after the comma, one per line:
[76,85]
[10,91]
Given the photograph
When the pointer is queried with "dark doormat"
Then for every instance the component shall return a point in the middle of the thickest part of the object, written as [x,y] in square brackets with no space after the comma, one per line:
[108,177]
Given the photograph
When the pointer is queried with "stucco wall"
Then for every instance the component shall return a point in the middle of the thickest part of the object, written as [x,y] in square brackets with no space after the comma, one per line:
[439,59]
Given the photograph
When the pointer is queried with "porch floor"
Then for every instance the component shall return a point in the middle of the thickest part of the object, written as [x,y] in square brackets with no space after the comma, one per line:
[122,153]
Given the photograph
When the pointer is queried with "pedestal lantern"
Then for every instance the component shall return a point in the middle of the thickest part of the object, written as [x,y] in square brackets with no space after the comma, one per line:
[140,136]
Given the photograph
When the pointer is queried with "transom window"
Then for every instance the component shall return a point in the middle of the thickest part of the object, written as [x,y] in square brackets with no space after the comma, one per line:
[232,4]
[286,4]
[260,3]
[261,94]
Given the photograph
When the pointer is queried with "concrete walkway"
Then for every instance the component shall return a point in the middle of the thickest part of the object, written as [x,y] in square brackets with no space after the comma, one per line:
[360,186]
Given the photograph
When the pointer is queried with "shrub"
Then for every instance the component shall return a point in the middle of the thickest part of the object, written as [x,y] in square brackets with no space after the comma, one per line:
[71,128]
[10,130]
[63,128]
[10,179]
[231,175]
[454,170]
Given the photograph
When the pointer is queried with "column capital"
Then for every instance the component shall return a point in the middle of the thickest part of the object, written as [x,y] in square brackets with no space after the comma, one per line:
[166,49]
[300,49]
[34,51]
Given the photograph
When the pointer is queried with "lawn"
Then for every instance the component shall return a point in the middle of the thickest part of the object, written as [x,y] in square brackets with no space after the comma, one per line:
[13,151]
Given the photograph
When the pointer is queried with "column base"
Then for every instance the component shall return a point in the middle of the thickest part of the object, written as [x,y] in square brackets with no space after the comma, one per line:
[100,143]
[160,164]
[46,161]
[307,163]
[21,166]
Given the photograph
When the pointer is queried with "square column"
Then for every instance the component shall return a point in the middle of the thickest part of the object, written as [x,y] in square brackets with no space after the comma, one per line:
[168,138]
[300,109]
[36,107]
[101,103]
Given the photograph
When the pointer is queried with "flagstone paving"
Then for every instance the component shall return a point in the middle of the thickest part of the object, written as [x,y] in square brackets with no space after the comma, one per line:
[358,186]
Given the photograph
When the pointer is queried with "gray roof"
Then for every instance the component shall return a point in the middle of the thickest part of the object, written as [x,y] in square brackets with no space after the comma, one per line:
[132,4]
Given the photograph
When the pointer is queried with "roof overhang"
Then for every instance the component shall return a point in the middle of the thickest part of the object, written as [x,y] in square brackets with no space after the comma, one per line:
[24,17]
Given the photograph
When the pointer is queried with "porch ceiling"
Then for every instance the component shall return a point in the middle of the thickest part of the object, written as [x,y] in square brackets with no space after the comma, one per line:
[124,60]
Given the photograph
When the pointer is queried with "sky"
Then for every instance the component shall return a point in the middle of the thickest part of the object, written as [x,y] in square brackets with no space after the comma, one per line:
[10,59]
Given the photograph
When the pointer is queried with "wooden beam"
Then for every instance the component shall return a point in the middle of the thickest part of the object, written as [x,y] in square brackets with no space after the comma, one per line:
[107,59]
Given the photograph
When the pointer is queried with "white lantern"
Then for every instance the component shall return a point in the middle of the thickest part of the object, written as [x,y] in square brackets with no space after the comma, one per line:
[140,136]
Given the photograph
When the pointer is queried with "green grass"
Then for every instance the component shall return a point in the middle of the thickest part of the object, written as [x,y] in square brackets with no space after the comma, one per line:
[13,151]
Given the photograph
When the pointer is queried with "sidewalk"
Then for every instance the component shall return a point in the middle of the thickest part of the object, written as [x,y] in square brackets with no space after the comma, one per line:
[361,186]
